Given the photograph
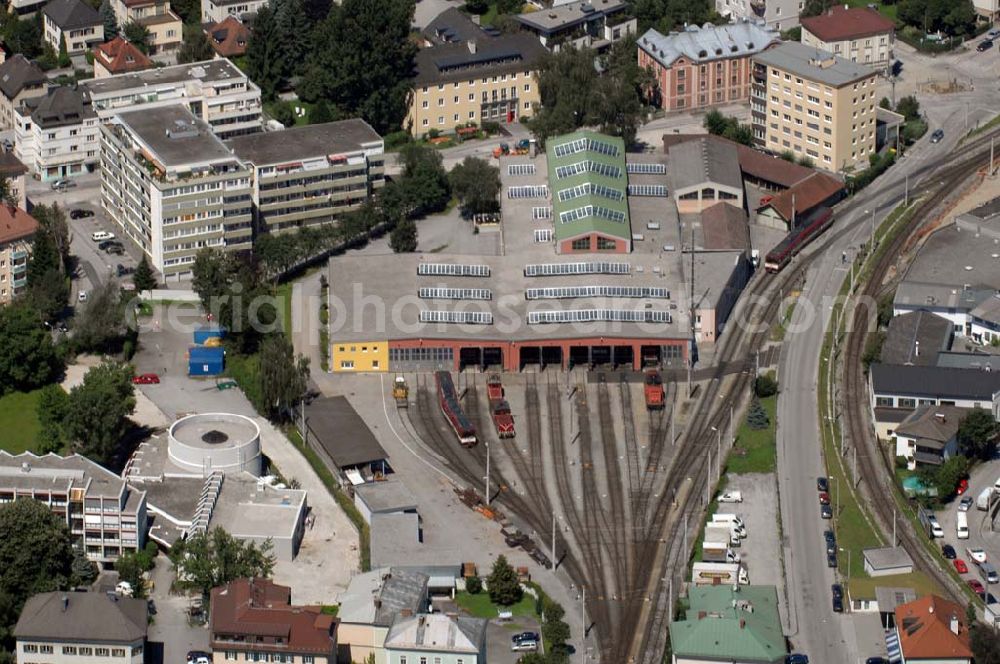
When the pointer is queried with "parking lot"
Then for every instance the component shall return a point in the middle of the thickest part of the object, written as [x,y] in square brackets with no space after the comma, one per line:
[980,534]
[170,626]
[761,550]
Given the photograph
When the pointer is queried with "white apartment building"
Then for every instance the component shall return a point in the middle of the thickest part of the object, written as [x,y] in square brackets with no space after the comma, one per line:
[173,188]
[215,91]
[988,9]
[56,136]
[216,11]
[777,14]
[81,628]
[72,23]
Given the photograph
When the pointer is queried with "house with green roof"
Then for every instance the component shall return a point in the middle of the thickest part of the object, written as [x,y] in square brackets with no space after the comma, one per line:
[589,183]
[728,624]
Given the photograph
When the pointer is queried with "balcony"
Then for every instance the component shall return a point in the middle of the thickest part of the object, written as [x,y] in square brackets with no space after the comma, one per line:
[18,255]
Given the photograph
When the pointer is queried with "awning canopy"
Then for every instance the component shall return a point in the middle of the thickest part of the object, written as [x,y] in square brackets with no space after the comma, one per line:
[892,647]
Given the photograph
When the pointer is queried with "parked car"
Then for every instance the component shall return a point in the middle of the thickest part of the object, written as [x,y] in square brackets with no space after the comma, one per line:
[960,566]
[82,296]
[121,270]
[831,560]
[948,551]
[977,587]
[101,236]
[993,34]
[825,511]
[838,604]
[984,45]
[937,135]
[837,590]
[822,484]
[115,249]
[80,213]
[977,555]
[829,536]
[524,636]
[876,660]
[526,645]
[146,379]
[103,246]
[824,499]
[796,658]
[151,607]
[965,503]
[963,486]
[62,184]
[730,497]
[198,657]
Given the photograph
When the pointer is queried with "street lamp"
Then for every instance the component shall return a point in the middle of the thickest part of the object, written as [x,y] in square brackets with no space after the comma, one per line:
[836,495]
[718,454]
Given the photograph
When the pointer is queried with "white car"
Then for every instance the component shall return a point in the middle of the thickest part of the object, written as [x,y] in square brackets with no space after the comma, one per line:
[101,236]
[730,497]
[124,588]
[965,504]
[977,555]
[82,297]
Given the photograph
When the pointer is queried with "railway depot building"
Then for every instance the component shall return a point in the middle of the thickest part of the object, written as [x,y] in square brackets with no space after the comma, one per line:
[592,270]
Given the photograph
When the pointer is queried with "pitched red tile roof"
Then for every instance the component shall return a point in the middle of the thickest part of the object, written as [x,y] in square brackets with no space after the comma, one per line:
[15,224]
[753,163]
[840,23]
[724,227]
[924,628]
[229,37]
[807,194]
[119,56]
[261,608]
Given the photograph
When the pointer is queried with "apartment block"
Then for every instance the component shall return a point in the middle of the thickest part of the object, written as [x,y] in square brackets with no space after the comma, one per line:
[165,27]
[20,79]
[592,24]
[989,10]
[216,11]
[17,235]
[104,515]
[12,169]
[306,176]
[703,67]
[173,188]
[859,34]
[777,14]
[814,104]
[73,628]
[215,91]
[57,136]
[483,78]
[72,23]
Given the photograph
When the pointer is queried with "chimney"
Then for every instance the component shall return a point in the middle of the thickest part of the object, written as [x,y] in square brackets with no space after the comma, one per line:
[939,417]
[65,602]
[930,609]
[916,348]
[953,625]
[743,623]
[472,45]
[25,467]
[701,615]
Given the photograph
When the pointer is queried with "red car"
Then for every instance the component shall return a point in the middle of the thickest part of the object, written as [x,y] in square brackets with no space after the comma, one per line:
[960,566]
[976,587]
[824,498]
[963,486]
[146,379]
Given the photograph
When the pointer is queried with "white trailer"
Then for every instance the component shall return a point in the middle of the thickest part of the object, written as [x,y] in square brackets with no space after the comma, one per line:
[719,574]
[716,552]
[722,534]
[730,520]
[983,501]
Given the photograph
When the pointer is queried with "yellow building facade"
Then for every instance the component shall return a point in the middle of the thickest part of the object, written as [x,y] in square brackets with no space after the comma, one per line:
[358,356]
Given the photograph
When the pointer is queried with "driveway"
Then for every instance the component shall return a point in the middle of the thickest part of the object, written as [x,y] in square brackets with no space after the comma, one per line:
[171,635]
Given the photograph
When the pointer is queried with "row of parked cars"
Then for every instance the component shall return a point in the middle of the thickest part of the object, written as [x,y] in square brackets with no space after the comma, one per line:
[987,43]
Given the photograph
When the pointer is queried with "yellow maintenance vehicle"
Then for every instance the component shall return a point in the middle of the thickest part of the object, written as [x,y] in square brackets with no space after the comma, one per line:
[400,392]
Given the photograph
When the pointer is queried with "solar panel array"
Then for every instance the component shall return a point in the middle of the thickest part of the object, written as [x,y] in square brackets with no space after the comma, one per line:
[543,235]
[458,317]
[581,167]
[541,213]
[569,216]
[528,191]
[565,292]
[582,144]
[647,190]
[521,169]
[443,293]
[561,269]
[452,270]
[570,193]
[640,168]
[598,315]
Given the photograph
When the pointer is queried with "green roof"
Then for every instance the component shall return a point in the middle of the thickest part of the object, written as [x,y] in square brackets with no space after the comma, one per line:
[594,182]
[718,634]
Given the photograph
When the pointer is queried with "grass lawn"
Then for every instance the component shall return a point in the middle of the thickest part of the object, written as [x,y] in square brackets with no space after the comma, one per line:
[304,120]
[284,295]
[758,445]
[889,11]
[865,588]
[19,421]
[480,605]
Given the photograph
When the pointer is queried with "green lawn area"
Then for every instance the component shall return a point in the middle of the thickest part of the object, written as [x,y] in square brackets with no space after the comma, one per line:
[864,588]
[888,11]
[757,445]
[480,606]
[284,295]
[304,120]
[19,421]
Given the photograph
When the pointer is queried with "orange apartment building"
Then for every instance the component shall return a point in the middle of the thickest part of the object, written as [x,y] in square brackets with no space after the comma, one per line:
[703,67]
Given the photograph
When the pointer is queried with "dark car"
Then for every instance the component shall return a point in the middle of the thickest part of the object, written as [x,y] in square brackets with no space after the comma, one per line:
[80,213]
[984,45]
[151,607]
[796,658]
[948,551]
[937,135]
[115,249]
[831,560]
[122,270]
[829,536]
[876,660]
[822,484]
[837,590]
[826,511]
[831,547]
[525,636]
[838,604]
[103,246]
[897,67]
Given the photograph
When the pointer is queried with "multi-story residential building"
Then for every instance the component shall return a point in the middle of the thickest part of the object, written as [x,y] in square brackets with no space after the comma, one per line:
[436,637]
[17,235]
[215,91]
[20,79]
[703,67]
[12,169]
[815,105]
[989,10]
[65,627]
[103,514]
[24,8]
[216,11]
[254,620]
[56,136]
[165,27]
[311,175]
[482,79]
[173,188]
[592,24]
[119,56]
[73,24]
[859,34]
[372,603]
[228,37]
[777,14]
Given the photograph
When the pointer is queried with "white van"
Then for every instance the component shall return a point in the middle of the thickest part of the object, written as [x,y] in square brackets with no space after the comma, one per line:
[936,529]
[962,525]
[731,519]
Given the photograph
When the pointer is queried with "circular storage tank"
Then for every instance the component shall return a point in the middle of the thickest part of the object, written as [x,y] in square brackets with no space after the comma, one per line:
[208,442]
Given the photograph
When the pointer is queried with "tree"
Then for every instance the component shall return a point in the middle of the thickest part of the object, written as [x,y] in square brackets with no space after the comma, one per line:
[207,560]
[144,279]
[977,433]
[7,196]
[283,113]
[984,644]
[283,377]
[196,46]
[63,60]
[188,10]
[99,407]
[130,571]
[264,59]
[425,182]
[403,238]
[28,359]
[107,14]
[53,404]
[474,585]
[568,89]
[728,127]
[362,61]
[52,220]
[47,289]
[621,89]
[321,113]
[757,417]
[885,103]
[504,587]
[100,326]
[478,7]
[909,107]
[138,34]
[954,17]
[816,7]
[765,386]
[83,570]
[212,272]
[24,36]
[948,474]
[476,184]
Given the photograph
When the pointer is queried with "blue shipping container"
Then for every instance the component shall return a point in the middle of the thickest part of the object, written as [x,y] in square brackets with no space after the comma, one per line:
[205,332]
[204,361]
